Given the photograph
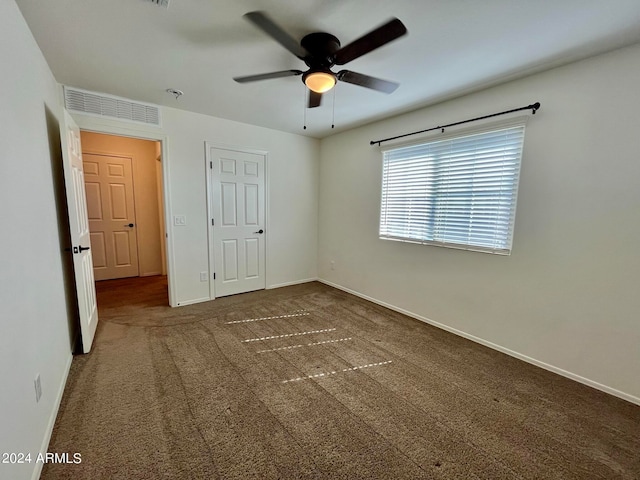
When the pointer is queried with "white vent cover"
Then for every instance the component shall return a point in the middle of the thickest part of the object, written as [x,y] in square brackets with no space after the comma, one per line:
[104,105]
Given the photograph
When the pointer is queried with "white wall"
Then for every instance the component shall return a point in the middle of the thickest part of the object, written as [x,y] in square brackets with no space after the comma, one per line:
[34,326]
[568,295]
[292,178]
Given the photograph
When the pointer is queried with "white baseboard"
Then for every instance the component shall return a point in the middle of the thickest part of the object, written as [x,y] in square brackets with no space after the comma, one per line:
[604,388]
[52,419]
[191,302]
[207,299]
[295,282]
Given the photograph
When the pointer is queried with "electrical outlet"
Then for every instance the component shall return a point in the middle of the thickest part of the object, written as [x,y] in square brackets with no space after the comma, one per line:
[204,276]
[38,386]
[333,265]
[179,220]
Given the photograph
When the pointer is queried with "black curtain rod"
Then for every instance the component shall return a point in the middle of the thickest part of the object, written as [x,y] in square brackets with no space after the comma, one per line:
[533,107]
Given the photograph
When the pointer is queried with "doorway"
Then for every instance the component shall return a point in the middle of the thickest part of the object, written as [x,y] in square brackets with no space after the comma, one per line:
[123,181]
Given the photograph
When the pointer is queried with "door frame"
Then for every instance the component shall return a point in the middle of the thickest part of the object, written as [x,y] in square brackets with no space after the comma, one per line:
[93,124]
[209,176]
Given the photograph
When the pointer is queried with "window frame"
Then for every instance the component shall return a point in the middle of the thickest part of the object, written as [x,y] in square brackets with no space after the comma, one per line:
[458,133]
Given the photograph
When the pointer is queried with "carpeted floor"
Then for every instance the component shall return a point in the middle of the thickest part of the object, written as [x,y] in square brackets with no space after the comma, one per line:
[308,382]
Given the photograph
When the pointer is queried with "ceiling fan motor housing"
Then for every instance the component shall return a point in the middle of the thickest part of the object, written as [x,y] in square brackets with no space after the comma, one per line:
[322,48]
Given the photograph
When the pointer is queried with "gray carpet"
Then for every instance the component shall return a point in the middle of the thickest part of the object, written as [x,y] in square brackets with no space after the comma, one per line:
[308,382]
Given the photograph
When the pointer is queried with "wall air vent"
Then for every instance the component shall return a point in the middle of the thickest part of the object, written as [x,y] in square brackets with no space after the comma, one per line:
[100,104]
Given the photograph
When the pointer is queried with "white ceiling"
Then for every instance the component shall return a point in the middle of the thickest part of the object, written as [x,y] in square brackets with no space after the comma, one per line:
[135,49]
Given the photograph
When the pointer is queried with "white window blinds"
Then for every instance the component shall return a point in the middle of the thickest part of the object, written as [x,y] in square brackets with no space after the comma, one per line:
[459,192]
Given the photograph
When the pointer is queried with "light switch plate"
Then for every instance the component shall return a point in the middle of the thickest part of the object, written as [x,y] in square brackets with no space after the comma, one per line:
[179,220]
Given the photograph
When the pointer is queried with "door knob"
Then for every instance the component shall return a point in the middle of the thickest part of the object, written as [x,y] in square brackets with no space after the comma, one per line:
[260,231]
[82,249]
[130,225]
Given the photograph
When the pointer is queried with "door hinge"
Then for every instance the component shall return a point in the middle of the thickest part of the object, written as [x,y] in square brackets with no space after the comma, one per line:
[211,165]
[212,222]
[214,276]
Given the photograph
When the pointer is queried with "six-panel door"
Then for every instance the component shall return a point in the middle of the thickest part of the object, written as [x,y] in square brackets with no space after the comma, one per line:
[112,221]
[239,214]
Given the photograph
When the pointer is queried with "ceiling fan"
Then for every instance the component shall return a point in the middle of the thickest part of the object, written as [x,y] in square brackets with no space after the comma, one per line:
[321,51]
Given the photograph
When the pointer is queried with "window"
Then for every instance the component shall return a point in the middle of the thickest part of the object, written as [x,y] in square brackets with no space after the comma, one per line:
[459,192]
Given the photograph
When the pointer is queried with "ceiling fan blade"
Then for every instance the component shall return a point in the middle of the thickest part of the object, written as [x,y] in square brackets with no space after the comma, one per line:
[376,38]
[367,81]
[314,99]
[268,26]
[267,76]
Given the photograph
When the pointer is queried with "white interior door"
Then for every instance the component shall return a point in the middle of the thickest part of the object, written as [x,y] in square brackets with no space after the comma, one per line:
[79,225]
[110,205]
[238,230]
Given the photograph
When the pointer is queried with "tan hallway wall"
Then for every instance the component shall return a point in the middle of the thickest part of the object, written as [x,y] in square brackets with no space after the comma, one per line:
[148,213]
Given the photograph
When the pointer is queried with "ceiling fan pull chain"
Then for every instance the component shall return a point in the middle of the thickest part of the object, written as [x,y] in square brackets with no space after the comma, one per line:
[304,108]
[333,112]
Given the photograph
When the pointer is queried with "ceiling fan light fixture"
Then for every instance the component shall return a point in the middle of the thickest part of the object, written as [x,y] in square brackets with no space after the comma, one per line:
[320,82]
